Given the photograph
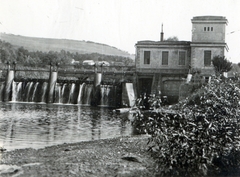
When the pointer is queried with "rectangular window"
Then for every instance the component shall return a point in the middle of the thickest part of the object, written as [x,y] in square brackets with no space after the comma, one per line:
[207,57]
[208,28]
[205,29]
[146,57]
[182,58]
[211,28]
[164,58]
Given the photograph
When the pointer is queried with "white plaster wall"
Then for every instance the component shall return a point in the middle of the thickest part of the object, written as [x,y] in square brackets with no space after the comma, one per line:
[156,58]
[198,55]
[217,35]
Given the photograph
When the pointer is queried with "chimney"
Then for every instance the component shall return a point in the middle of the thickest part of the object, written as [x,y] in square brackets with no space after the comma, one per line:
[162,34]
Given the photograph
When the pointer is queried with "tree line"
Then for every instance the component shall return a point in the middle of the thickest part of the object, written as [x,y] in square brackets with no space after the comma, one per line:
[20,55]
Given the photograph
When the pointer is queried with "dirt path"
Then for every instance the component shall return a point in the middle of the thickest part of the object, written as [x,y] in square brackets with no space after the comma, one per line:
[125,156]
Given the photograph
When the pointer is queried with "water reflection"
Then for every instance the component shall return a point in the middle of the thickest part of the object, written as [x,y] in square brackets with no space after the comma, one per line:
[38,125]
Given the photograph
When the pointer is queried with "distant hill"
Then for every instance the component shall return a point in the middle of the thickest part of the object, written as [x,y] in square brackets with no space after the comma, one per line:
[48,44]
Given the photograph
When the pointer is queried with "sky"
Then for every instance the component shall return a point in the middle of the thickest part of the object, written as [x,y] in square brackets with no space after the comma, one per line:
[118,23]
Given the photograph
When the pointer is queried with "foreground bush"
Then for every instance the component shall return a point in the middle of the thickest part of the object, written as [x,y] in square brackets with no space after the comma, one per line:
[201,138]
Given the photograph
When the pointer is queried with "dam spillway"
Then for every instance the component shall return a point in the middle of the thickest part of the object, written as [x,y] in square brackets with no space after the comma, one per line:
[64,93]
[93,92]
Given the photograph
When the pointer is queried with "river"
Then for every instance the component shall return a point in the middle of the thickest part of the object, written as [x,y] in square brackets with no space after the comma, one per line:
[31,125]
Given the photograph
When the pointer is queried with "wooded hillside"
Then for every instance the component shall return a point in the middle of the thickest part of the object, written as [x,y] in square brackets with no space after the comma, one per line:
[40,54]
[73,46]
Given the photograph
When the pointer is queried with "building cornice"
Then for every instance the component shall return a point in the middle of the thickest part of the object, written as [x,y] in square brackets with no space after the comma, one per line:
[209,19]
[207,44]
[163,44]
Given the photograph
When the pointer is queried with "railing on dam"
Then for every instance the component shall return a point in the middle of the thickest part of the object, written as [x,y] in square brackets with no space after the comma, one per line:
[85,69]
[73,69]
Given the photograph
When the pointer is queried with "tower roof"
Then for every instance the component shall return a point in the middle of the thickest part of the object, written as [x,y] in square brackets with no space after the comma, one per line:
[209,19]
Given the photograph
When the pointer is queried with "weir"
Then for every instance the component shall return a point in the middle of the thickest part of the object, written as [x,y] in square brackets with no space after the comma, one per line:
[54,91]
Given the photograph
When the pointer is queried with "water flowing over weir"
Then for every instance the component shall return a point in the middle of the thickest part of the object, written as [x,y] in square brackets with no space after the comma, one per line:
[108,95]
[28,91]
[65,92]
[90,90]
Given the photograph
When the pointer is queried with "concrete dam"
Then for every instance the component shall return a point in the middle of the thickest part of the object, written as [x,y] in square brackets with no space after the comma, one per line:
[95,92]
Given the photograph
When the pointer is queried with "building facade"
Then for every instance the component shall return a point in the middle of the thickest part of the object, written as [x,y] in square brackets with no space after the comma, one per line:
[208,40]
[162,66]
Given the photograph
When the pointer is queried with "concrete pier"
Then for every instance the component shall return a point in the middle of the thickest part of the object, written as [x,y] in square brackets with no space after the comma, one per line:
[8,85]
[96,89]
[97,79]
[51,86]
[128,95]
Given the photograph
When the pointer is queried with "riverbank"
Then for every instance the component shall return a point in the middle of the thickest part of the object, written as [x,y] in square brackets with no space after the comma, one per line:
[123,156]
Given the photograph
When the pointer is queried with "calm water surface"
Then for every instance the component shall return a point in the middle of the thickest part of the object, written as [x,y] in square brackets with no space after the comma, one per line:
[24,125]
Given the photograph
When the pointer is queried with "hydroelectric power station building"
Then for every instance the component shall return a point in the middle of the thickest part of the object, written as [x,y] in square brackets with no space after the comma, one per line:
[162,65]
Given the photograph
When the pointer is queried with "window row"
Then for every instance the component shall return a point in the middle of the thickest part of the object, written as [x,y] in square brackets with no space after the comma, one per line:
[181,57]
[208,28]
[165,57]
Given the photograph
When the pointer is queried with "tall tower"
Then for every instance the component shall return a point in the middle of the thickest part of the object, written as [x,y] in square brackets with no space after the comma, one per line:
[208,40]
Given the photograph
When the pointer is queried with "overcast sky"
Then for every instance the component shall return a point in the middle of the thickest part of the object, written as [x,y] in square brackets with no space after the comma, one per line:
[118,23]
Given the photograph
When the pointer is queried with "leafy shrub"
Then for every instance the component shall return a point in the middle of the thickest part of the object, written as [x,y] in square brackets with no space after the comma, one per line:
[200,138]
